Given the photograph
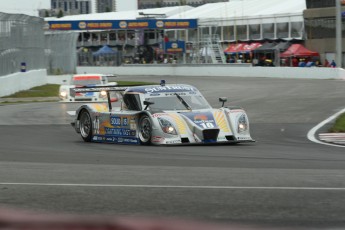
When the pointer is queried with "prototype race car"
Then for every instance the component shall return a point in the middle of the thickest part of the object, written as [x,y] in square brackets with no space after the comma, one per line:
[160,115]
[66,93]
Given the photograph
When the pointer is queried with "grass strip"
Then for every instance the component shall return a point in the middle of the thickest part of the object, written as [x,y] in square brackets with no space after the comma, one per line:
[339,125]
[49,90]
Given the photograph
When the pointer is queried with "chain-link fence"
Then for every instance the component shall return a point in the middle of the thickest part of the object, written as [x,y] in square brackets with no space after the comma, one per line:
[61,53]
[21,43]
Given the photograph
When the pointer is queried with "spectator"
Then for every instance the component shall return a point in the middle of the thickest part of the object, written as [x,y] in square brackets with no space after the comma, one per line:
[294,62]
[301,64]
[326,63]
[333,65]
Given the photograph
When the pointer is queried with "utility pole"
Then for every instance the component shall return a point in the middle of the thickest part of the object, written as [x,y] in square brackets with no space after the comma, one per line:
[339,31]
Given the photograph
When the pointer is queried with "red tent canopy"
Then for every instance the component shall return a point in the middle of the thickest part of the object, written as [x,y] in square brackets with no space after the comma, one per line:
[298,50]
[242,48]
[234,48]
[250,47]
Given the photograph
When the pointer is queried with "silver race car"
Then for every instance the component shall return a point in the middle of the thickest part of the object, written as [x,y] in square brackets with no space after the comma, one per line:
[160,115]
[82,80]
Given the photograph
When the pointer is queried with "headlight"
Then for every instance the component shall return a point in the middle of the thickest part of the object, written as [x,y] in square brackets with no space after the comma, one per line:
[103,94]
[63,94]
[167,127]
[242,124]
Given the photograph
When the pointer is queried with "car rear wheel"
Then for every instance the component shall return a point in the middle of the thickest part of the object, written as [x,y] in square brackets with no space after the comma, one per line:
[85,126]
[145,130]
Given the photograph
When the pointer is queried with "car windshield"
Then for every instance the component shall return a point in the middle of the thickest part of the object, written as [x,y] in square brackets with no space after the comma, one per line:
[178,102]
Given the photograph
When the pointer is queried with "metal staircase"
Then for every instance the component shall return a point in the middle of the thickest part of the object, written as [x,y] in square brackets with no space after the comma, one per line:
[211,49]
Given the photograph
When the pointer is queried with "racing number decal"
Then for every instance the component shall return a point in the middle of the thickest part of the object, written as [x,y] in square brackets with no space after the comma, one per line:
[207,125]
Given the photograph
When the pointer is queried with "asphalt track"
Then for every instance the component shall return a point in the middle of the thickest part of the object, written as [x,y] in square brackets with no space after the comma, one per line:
[282,180]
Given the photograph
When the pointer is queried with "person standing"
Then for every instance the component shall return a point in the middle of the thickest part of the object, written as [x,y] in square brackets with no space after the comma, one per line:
[326,63]
[333,64]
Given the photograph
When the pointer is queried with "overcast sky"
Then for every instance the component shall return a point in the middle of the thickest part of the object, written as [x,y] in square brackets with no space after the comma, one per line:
[30,7]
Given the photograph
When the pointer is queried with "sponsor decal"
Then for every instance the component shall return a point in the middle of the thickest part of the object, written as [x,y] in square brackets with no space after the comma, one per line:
[222,139]
[154,94]
[177,88]
[61,26]
[203,120]
[82,25]
[119,132]
[137,25]
[157,139]
[174,142]
[101,25]
[115,121]
[160,24]
[179,24]
[159,115]
[114,139]
[123,24]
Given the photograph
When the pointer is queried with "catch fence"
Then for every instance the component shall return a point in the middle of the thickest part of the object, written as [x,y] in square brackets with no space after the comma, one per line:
[21,43]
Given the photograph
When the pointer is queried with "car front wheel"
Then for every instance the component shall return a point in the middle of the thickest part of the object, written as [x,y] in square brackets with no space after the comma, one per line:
[145,130]
[85,126]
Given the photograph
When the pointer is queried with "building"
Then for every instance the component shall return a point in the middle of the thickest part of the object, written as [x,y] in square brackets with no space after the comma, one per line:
[320,28]
[145,4]
[70,7]
[102,6]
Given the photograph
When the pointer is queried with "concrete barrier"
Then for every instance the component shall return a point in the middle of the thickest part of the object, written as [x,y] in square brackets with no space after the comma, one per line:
[25,80]
[219,70]
[22,81]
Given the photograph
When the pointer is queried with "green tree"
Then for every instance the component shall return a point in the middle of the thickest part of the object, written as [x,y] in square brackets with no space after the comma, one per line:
[46,14]
[60,14]
[107,9]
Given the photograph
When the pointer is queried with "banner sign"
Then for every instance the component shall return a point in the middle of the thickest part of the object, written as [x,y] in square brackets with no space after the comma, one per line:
[174,47]
[123,24]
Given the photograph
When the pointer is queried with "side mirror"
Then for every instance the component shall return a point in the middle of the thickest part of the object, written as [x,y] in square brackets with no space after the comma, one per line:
[223,100]
[148,103]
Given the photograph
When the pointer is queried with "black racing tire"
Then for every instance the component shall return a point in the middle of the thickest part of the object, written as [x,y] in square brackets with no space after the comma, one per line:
[145,130]
[85,124]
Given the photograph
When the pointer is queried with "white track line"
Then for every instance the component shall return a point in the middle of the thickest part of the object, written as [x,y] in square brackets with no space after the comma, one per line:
[174,186]
[311,133]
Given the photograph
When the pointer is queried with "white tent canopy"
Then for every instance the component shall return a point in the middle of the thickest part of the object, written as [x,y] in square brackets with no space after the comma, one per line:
[246,12]
[178,11]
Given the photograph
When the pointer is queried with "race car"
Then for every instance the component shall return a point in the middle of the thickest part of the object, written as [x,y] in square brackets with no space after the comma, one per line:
[160,115]
[81,80]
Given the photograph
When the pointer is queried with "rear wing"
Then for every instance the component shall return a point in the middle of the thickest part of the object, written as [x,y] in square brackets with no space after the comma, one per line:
[106,89]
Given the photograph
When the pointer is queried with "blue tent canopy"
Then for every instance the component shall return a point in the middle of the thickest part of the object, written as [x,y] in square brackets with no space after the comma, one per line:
[105,50]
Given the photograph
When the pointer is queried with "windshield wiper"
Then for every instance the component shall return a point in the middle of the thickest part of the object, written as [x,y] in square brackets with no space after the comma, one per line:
[183,102]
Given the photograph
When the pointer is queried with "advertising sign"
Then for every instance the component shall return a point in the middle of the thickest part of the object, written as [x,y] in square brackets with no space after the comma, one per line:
[123,24]
[174,47]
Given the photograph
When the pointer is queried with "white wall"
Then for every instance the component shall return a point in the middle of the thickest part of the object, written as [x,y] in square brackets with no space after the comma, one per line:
[22,81]
[220,70]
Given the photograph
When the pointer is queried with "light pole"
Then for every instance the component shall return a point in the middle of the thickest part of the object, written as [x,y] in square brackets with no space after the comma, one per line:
[338,33]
